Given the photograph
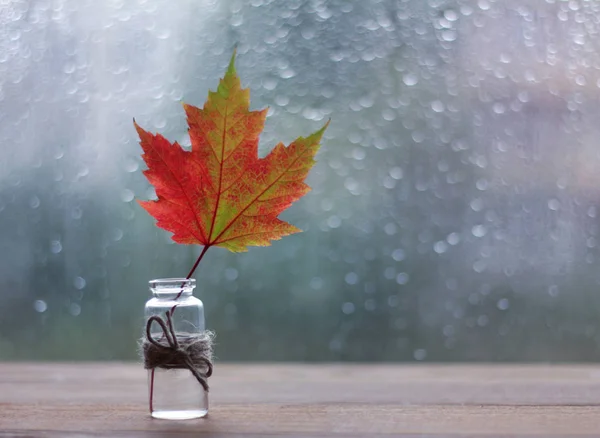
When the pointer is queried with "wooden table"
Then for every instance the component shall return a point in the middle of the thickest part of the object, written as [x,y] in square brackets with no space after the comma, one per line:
[109,399]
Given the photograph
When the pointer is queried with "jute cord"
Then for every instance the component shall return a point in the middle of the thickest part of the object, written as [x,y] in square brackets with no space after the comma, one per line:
[171,352]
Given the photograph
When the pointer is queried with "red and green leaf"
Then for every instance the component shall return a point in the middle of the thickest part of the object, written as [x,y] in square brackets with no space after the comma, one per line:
[221,193]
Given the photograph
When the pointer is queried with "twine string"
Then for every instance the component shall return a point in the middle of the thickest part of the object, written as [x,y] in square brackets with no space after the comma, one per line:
[192,352]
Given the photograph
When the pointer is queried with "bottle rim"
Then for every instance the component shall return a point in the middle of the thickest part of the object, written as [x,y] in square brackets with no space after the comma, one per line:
[175,280]
[169,286]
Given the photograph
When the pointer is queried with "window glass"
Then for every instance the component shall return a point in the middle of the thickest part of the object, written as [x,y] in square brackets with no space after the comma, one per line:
[454,210]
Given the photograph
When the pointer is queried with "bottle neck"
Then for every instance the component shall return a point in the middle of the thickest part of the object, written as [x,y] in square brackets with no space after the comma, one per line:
[171,294]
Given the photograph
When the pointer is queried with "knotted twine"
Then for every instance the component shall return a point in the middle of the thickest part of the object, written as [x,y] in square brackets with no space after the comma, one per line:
[172,352]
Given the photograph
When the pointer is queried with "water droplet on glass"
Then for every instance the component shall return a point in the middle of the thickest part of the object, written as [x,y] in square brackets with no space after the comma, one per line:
[82,172]
[484,5]
[450,15]
[236,20]
[334,221]
[307,33]
[116,234]
[282,100]
[402,278]
[358,154]
[440,247]
[479,266]
[390,229]
[503,304]
[482,183]
[326,204]
[554,204]
[69,68]
[348,308]
[410,79]
[591,211]
[151,193]
[127,195]
[40,306]
[398,255]
[396,173]
[418,136]
[449,35]
[420,354]
[562,183]
[388,114]
[437,106]
[131,165]
[231,274]
[499,108]
[479,230]
[76,213]
[74,309]
[453,238]
[163,34]
[79,283]
[476,204]
[55,246]
[287,73]
[448,330]
[389,273]
[351,278]
[316,283]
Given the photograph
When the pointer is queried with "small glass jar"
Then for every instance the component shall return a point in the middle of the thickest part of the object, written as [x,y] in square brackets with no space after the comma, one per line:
[175,394]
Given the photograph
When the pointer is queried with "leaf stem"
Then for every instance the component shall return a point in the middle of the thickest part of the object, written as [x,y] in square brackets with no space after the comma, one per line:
[189,275]
[198,261]
[151,401]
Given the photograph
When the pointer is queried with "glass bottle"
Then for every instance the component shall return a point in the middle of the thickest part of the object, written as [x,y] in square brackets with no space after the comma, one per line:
[175,394]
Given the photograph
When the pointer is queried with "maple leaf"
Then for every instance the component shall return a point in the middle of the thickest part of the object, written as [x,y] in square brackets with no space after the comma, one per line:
[221,193]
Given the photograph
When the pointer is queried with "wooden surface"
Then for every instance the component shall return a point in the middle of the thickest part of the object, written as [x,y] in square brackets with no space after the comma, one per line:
[109,399]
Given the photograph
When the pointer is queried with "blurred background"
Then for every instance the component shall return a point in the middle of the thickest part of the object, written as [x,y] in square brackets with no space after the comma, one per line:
[455,208]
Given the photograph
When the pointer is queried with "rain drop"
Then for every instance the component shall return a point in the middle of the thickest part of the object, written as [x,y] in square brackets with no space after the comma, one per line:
[40,306]
[437,106]
[450,15]
[402,278]
[127,195]
[503,304]
[351,278]
[554,204]
[420,354]
[396,173]
[316,283]
[55,246]
[410,79]
[34,202]
[389,273]
[348,308]
[479,231]
[74,309]
[231,274]
[449,35]
[398,255]
[79,283]
[440,247]
[334,221]
[453,238]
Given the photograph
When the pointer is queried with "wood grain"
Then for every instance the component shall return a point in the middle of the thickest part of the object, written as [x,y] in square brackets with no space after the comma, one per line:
[258,400]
